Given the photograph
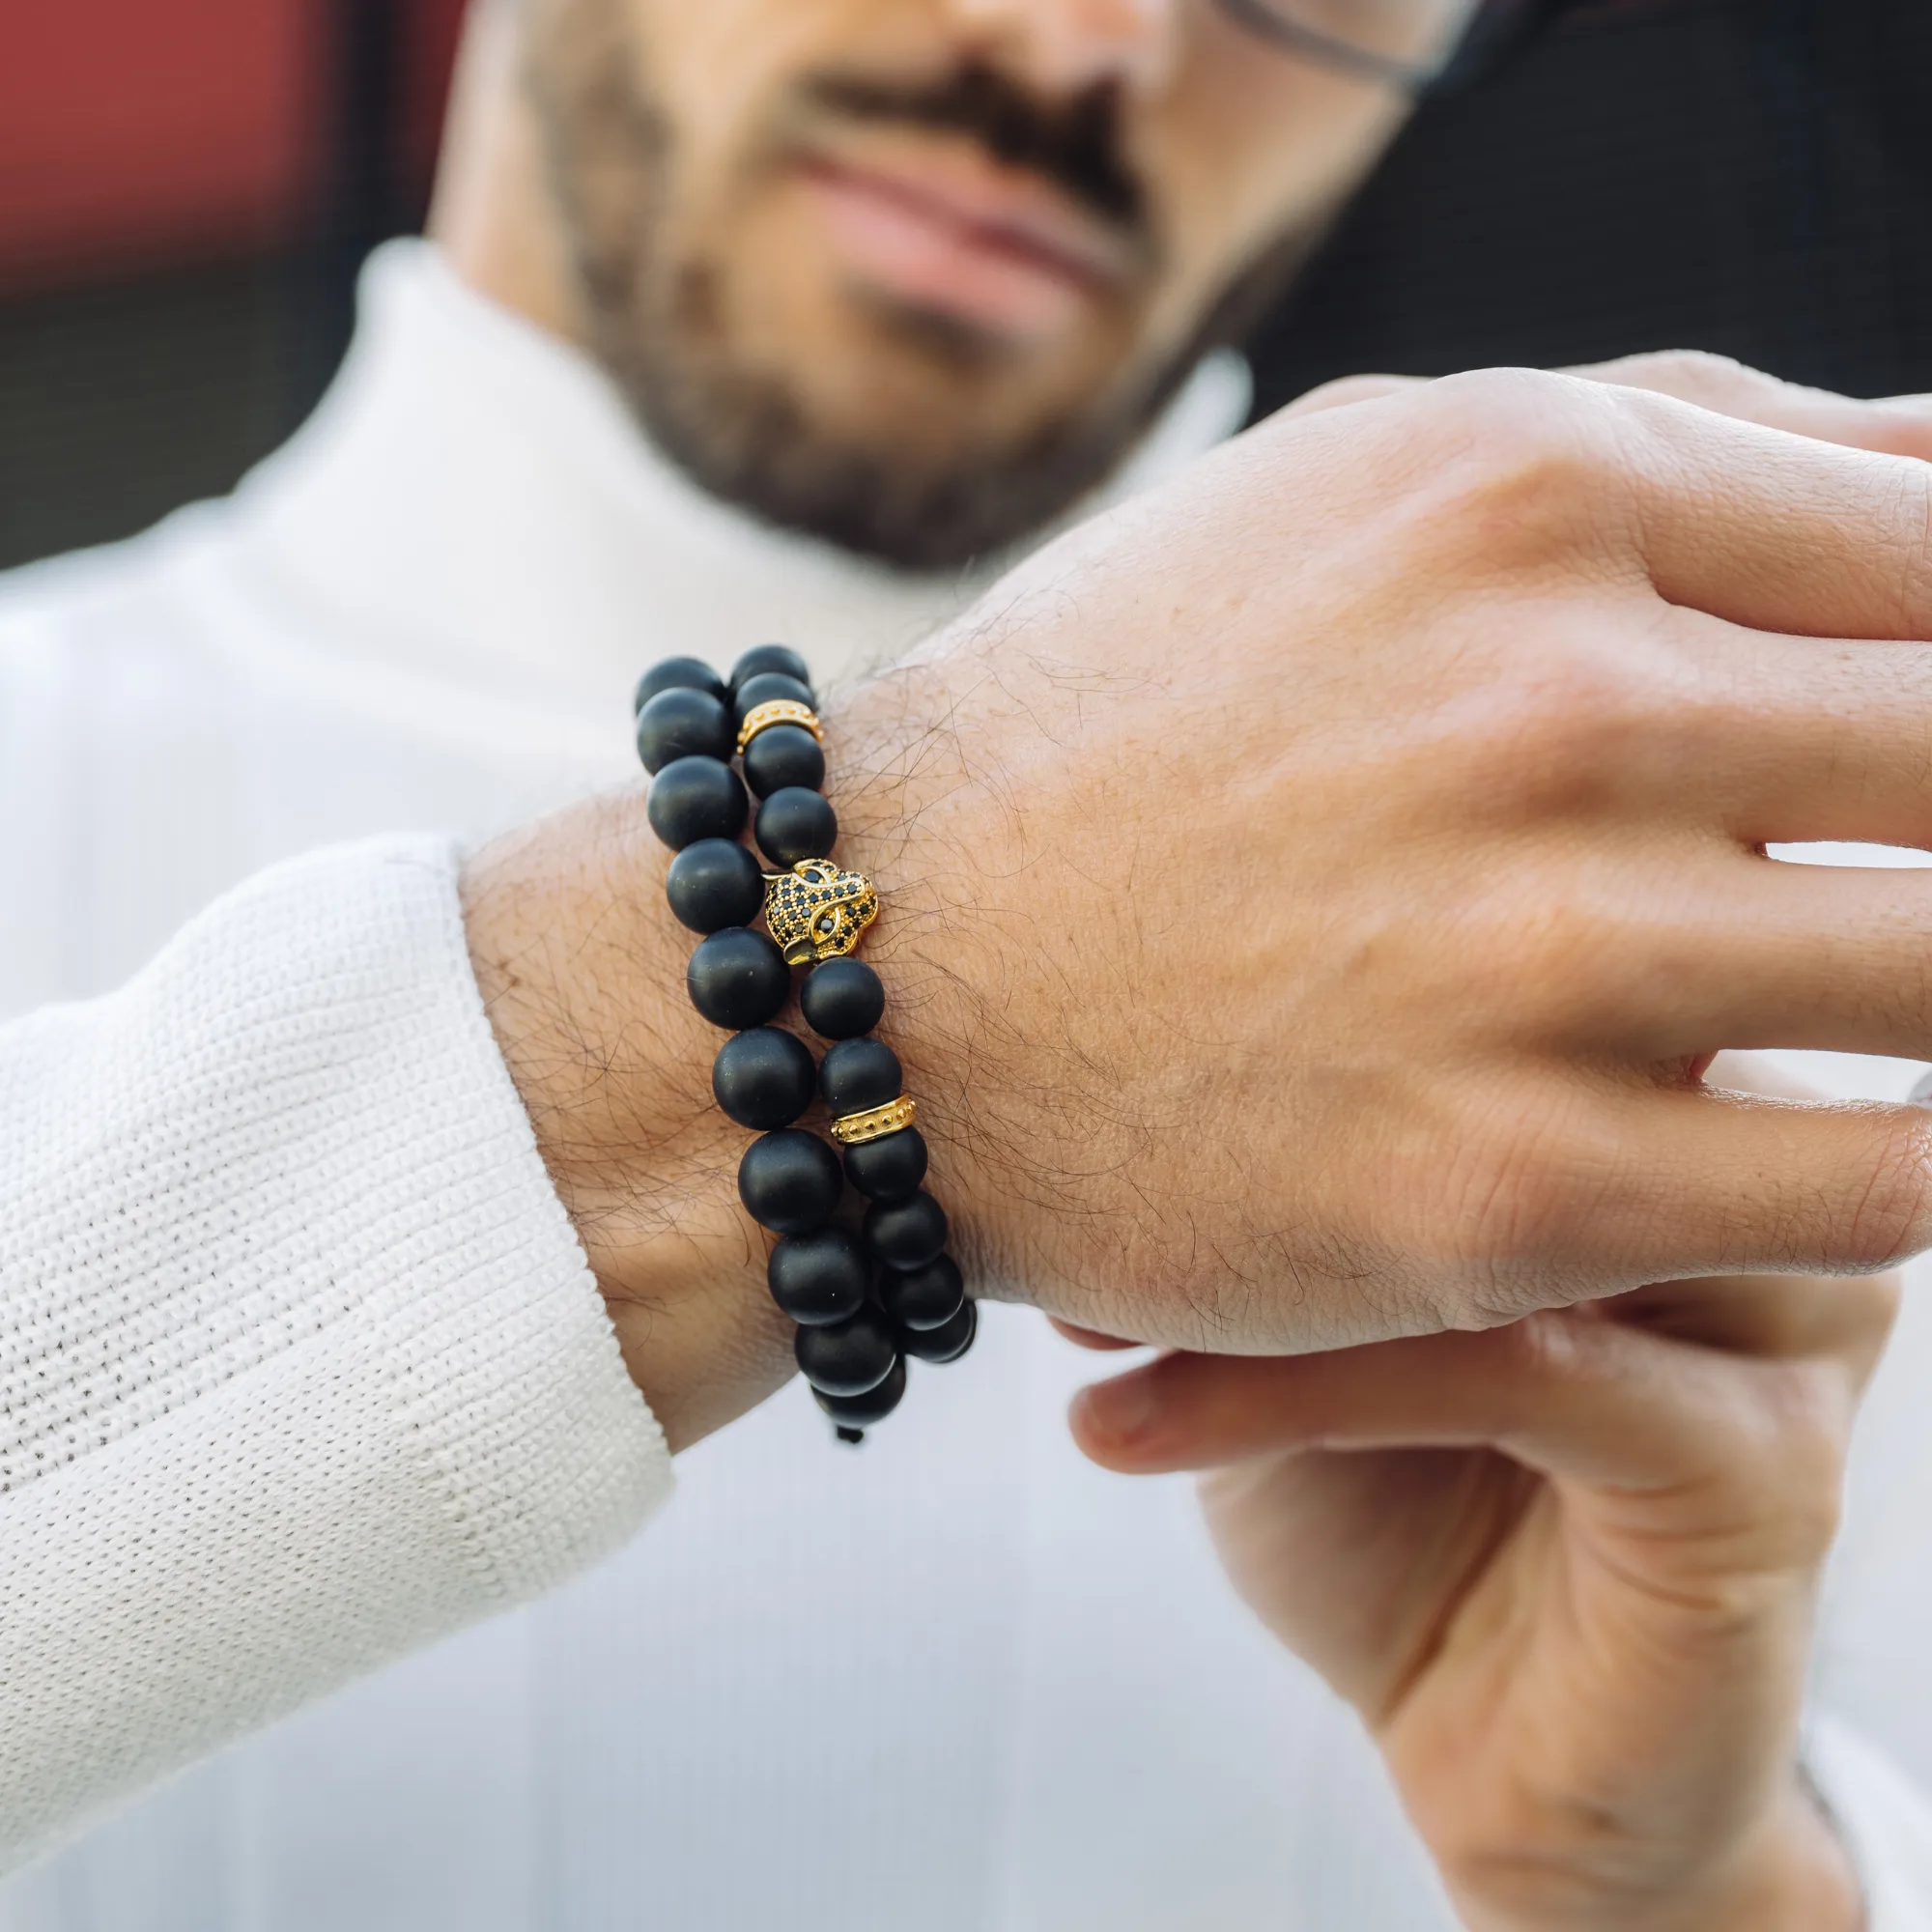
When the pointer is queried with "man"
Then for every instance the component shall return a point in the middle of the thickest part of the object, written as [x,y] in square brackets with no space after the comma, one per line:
[903,278]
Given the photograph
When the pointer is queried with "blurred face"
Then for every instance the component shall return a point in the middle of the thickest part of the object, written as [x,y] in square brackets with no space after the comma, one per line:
[911,274]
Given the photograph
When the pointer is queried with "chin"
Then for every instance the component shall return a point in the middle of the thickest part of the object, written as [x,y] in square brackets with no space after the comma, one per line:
[887,429]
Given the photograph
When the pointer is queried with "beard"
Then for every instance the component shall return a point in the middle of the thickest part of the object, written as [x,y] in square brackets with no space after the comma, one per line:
[655,313]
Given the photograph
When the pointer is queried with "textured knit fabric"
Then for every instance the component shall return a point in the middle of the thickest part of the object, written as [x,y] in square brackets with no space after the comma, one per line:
[300,1363]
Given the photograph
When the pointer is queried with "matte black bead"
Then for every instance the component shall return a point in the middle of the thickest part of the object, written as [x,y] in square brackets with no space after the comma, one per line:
[738,979]
[781,755]
[846,1357]
[697,797]
[841,999]
[818,1278]
[767,688]
[714,884]
[762,1078]
[945,1343]
[906,1233]
[854,1412]
[761,658]
[790,1181]
[858,1075]
[926,1297]
[795,824]
[679,675]
[684,723]
[889,1168]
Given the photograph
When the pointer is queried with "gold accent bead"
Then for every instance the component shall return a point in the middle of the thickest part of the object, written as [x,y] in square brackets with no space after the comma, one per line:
[817,910]
[875,1122]
[780,711]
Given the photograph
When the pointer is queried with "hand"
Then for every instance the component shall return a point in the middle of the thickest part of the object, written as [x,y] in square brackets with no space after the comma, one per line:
[1312,889]
[1565,1570]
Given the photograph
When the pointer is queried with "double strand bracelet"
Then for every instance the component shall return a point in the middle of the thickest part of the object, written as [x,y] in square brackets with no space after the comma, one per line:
[863,1302]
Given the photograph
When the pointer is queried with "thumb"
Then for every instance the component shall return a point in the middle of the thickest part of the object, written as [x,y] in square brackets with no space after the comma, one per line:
[1564,1392]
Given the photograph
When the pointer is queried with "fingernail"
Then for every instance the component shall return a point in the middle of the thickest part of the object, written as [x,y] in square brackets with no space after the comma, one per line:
[1121,1411]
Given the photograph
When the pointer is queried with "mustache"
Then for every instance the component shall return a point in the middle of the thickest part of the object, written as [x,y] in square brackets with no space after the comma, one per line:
[1077,144]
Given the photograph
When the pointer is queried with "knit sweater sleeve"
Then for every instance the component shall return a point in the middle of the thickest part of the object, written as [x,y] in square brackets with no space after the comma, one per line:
[300,1362]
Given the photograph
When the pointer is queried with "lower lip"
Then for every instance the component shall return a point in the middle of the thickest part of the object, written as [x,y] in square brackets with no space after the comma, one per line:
[923,258]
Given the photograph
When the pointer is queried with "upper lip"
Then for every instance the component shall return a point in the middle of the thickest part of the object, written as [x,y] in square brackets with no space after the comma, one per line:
[954,181]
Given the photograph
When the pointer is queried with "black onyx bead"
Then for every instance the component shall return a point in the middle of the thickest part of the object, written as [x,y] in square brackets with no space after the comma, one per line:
[684,723]
[818,1278]
[762,1078]
[781,755]
[738,979]
[714,884]
[679,675]
[767,688]
[854,1412]
[841,999]
[889,1168]
[762,658]
[906,1233]
[795,824]
[790,1181]
[926,1297]
[846,1357]
[697,797]
[858,1075]
[947,1342]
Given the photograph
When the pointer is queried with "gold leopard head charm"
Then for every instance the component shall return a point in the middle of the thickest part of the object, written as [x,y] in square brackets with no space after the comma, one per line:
[815,911]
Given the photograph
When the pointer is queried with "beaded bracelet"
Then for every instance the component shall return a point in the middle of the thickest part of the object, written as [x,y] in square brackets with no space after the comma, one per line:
[863,1304]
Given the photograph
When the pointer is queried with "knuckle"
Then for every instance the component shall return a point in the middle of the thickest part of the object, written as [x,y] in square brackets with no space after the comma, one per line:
[1525,467]
[1524,1195]
[1792,1454]
[1691,375]
[1511,422]
[1346,390]
[1543,1349]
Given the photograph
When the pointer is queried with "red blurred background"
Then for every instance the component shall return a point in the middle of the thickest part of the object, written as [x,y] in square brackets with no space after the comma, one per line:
[187,189]
[134,132]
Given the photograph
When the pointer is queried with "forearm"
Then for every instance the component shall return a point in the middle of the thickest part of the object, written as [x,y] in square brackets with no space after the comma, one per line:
[301,1365]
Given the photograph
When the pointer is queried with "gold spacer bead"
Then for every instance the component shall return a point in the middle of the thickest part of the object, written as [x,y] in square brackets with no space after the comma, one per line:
[875,1124]
[780,711]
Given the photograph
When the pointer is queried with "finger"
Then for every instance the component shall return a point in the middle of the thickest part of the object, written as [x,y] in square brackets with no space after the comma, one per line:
[1773,1317]
[1794,742]
[1770,530]
[1090,1338]
[1608,1187]
[1589,1401]
[1769,1318]
[1893,425]
[1828,959]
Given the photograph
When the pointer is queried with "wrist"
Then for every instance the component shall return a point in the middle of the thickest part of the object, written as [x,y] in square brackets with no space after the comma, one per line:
[1794,1875]
[929,823]
[581,973]
[1789,1873]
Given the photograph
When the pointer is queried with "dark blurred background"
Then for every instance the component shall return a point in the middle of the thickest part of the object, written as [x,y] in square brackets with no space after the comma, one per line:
[186,188]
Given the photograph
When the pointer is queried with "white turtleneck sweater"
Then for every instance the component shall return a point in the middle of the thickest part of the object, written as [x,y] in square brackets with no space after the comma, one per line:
[300,1367]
